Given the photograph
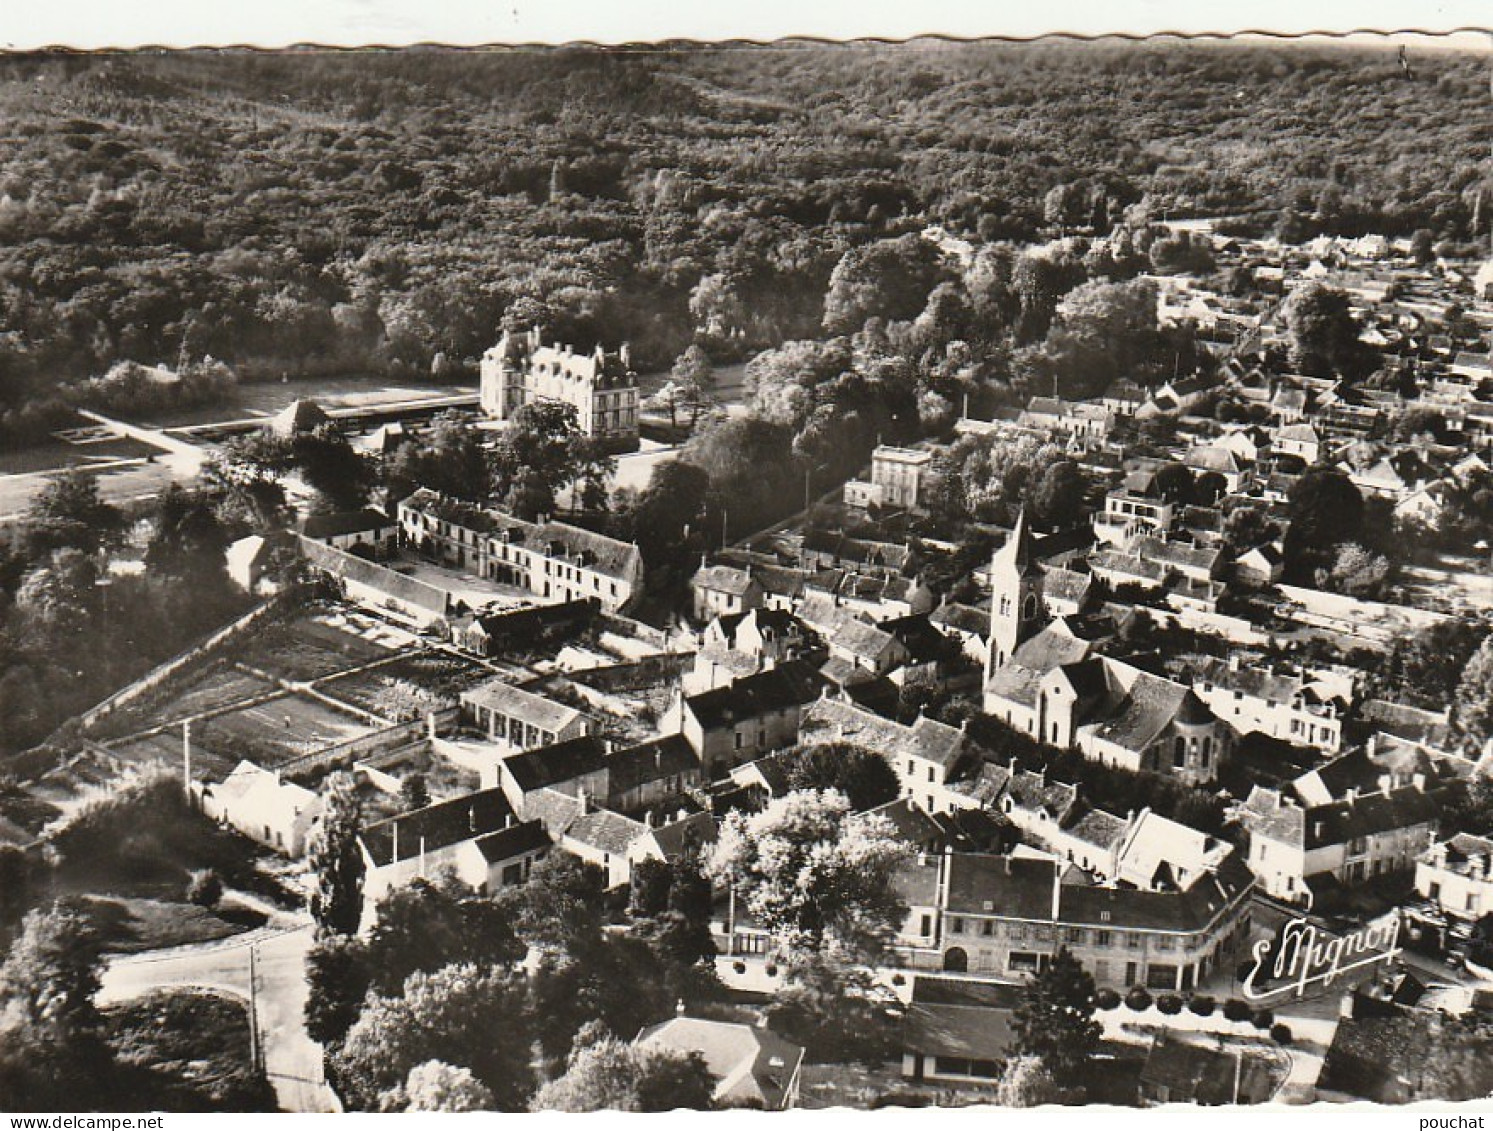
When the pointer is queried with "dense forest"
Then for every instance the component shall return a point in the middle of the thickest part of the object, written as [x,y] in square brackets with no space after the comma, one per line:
[386,213]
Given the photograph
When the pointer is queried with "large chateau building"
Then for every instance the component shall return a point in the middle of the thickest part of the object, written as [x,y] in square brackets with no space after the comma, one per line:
[600,386]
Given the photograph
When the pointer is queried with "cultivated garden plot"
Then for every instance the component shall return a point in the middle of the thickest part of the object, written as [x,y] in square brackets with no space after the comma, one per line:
[278,731]
[383,689]
[310,649]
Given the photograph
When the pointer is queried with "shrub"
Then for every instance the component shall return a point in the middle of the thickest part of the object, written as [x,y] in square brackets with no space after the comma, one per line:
[1139,998]
[1236,1010]
[1170,1004]
[1280,1033]
[1262,1019]
[739,966]
[898,980]
[772,970]
[1107,999]
[204,888]
[1202,1005]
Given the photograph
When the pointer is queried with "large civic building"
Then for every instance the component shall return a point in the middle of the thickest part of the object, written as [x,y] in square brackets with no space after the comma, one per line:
[600,386]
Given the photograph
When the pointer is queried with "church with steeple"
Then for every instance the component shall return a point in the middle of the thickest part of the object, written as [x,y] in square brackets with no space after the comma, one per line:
[1017,610]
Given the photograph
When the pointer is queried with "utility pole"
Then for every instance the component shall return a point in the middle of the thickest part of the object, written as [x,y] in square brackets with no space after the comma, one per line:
[186,757]
[255,1052]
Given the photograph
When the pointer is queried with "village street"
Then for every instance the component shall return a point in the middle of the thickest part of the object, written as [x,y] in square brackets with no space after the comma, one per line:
[292,1060]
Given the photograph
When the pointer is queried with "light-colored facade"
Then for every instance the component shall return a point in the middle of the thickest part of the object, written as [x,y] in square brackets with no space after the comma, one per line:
[1457,875]
[553,561]
[1007,916]
[900,473]
[600,386]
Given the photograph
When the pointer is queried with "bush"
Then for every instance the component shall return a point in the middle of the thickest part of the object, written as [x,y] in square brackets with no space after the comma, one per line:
[204,888]
[898,980]
[771,970]
[1107,999]
[1236,1010]
[1262,1019]
[1170,1004]
[1138,999]
[1202,1005]
[1280,1033]
[739,966]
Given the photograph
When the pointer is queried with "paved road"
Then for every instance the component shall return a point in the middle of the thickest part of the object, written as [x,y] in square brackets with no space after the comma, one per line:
[292,1060]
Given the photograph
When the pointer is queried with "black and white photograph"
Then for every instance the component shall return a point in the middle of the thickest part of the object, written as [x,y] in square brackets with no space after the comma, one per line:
[929,567]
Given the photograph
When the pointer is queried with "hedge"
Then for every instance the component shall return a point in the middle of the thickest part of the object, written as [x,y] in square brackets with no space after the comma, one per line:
[1236,1010]
[1202,1005]
[1170,1004]
[1107,999]
[1139,998]
[1280,1033]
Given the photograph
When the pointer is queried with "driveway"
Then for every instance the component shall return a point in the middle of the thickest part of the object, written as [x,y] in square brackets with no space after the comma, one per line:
[292,1060]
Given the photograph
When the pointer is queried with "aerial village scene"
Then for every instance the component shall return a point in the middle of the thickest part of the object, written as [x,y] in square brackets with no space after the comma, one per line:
[783,578]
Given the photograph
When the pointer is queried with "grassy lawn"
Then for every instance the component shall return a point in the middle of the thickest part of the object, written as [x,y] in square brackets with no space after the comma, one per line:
[127,859]
[133,924]
[184,1051]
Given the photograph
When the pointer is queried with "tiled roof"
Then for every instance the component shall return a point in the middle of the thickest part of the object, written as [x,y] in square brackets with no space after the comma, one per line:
[558,763]
[607,831]
[749,1063]
[518,840]
[516,703]
[650,761]
[722,579]
[787,685]
[323,526]
[437,826]
[833,720]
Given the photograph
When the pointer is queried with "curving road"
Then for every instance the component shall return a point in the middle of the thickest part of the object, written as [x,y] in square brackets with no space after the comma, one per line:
[292,1060]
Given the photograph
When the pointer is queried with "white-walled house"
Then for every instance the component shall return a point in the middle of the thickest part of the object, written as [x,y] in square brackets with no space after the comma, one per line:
[1457,875]
[277,814]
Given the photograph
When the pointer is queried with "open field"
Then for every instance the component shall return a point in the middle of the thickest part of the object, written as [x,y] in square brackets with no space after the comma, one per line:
[277,731]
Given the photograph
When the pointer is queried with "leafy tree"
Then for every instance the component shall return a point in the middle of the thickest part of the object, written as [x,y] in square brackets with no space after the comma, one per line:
[423,926]
[609,1075]
[58,599]
[887,279]
[187,543]
[437,1086]
[542,451]
[1325,509]
[672,504]
[1356,571]
[52,1047]
[837,1009]
[340,476]
[1425,666]
[749,461]
[68,513]
[863,776]
[1474,702]
[1058,497]
[338,976]
[816,875]
[613,980]
[1027,1082]
[694,377]
[337,904]
[413,793]
[649,888]
[449,458]
[1055,1020]
[1324,334]
[557,909]
[461,1015]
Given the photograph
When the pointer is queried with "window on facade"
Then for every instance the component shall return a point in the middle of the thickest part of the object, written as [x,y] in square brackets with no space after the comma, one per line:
[1179,753]
[987,928]
[927,926]
[1161,977]
[1101,938]
[956,926]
